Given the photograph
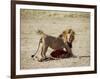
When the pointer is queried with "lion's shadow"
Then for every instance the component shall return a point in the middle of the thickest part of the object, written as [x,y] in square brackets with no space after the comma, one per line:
[53,59]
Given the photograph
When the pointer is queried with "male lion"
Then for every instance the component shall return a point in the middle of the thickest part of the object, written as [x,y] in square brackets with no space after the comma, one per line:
[63,41]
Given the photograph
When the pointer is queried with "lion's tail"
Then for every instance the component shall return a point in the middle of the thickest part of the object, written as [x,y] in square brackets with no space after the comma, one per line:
[40,32]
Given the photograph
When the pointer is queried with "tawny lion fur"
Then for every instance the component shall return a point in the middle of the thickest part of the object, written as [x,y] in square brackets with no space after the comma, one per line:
[60,42]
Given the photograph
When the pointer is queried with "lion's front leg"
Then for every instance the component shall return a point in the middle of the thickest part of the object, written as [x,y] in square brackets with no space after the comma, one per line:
[69,51]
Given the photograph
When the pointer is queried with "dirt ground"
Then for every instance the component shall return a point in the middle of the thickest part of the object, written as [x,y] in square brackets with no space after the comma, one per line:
[53,23]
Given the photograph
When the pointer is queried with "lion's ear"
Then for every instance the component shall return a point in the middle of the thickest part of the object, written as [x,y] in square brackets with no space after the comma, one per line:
[60,35]
[74,33]
[69,30]
[64,32]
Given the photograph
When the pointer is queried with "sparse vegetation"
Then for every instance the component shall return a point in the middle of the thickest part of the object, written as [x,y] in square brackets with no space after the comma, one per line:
[53,23]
